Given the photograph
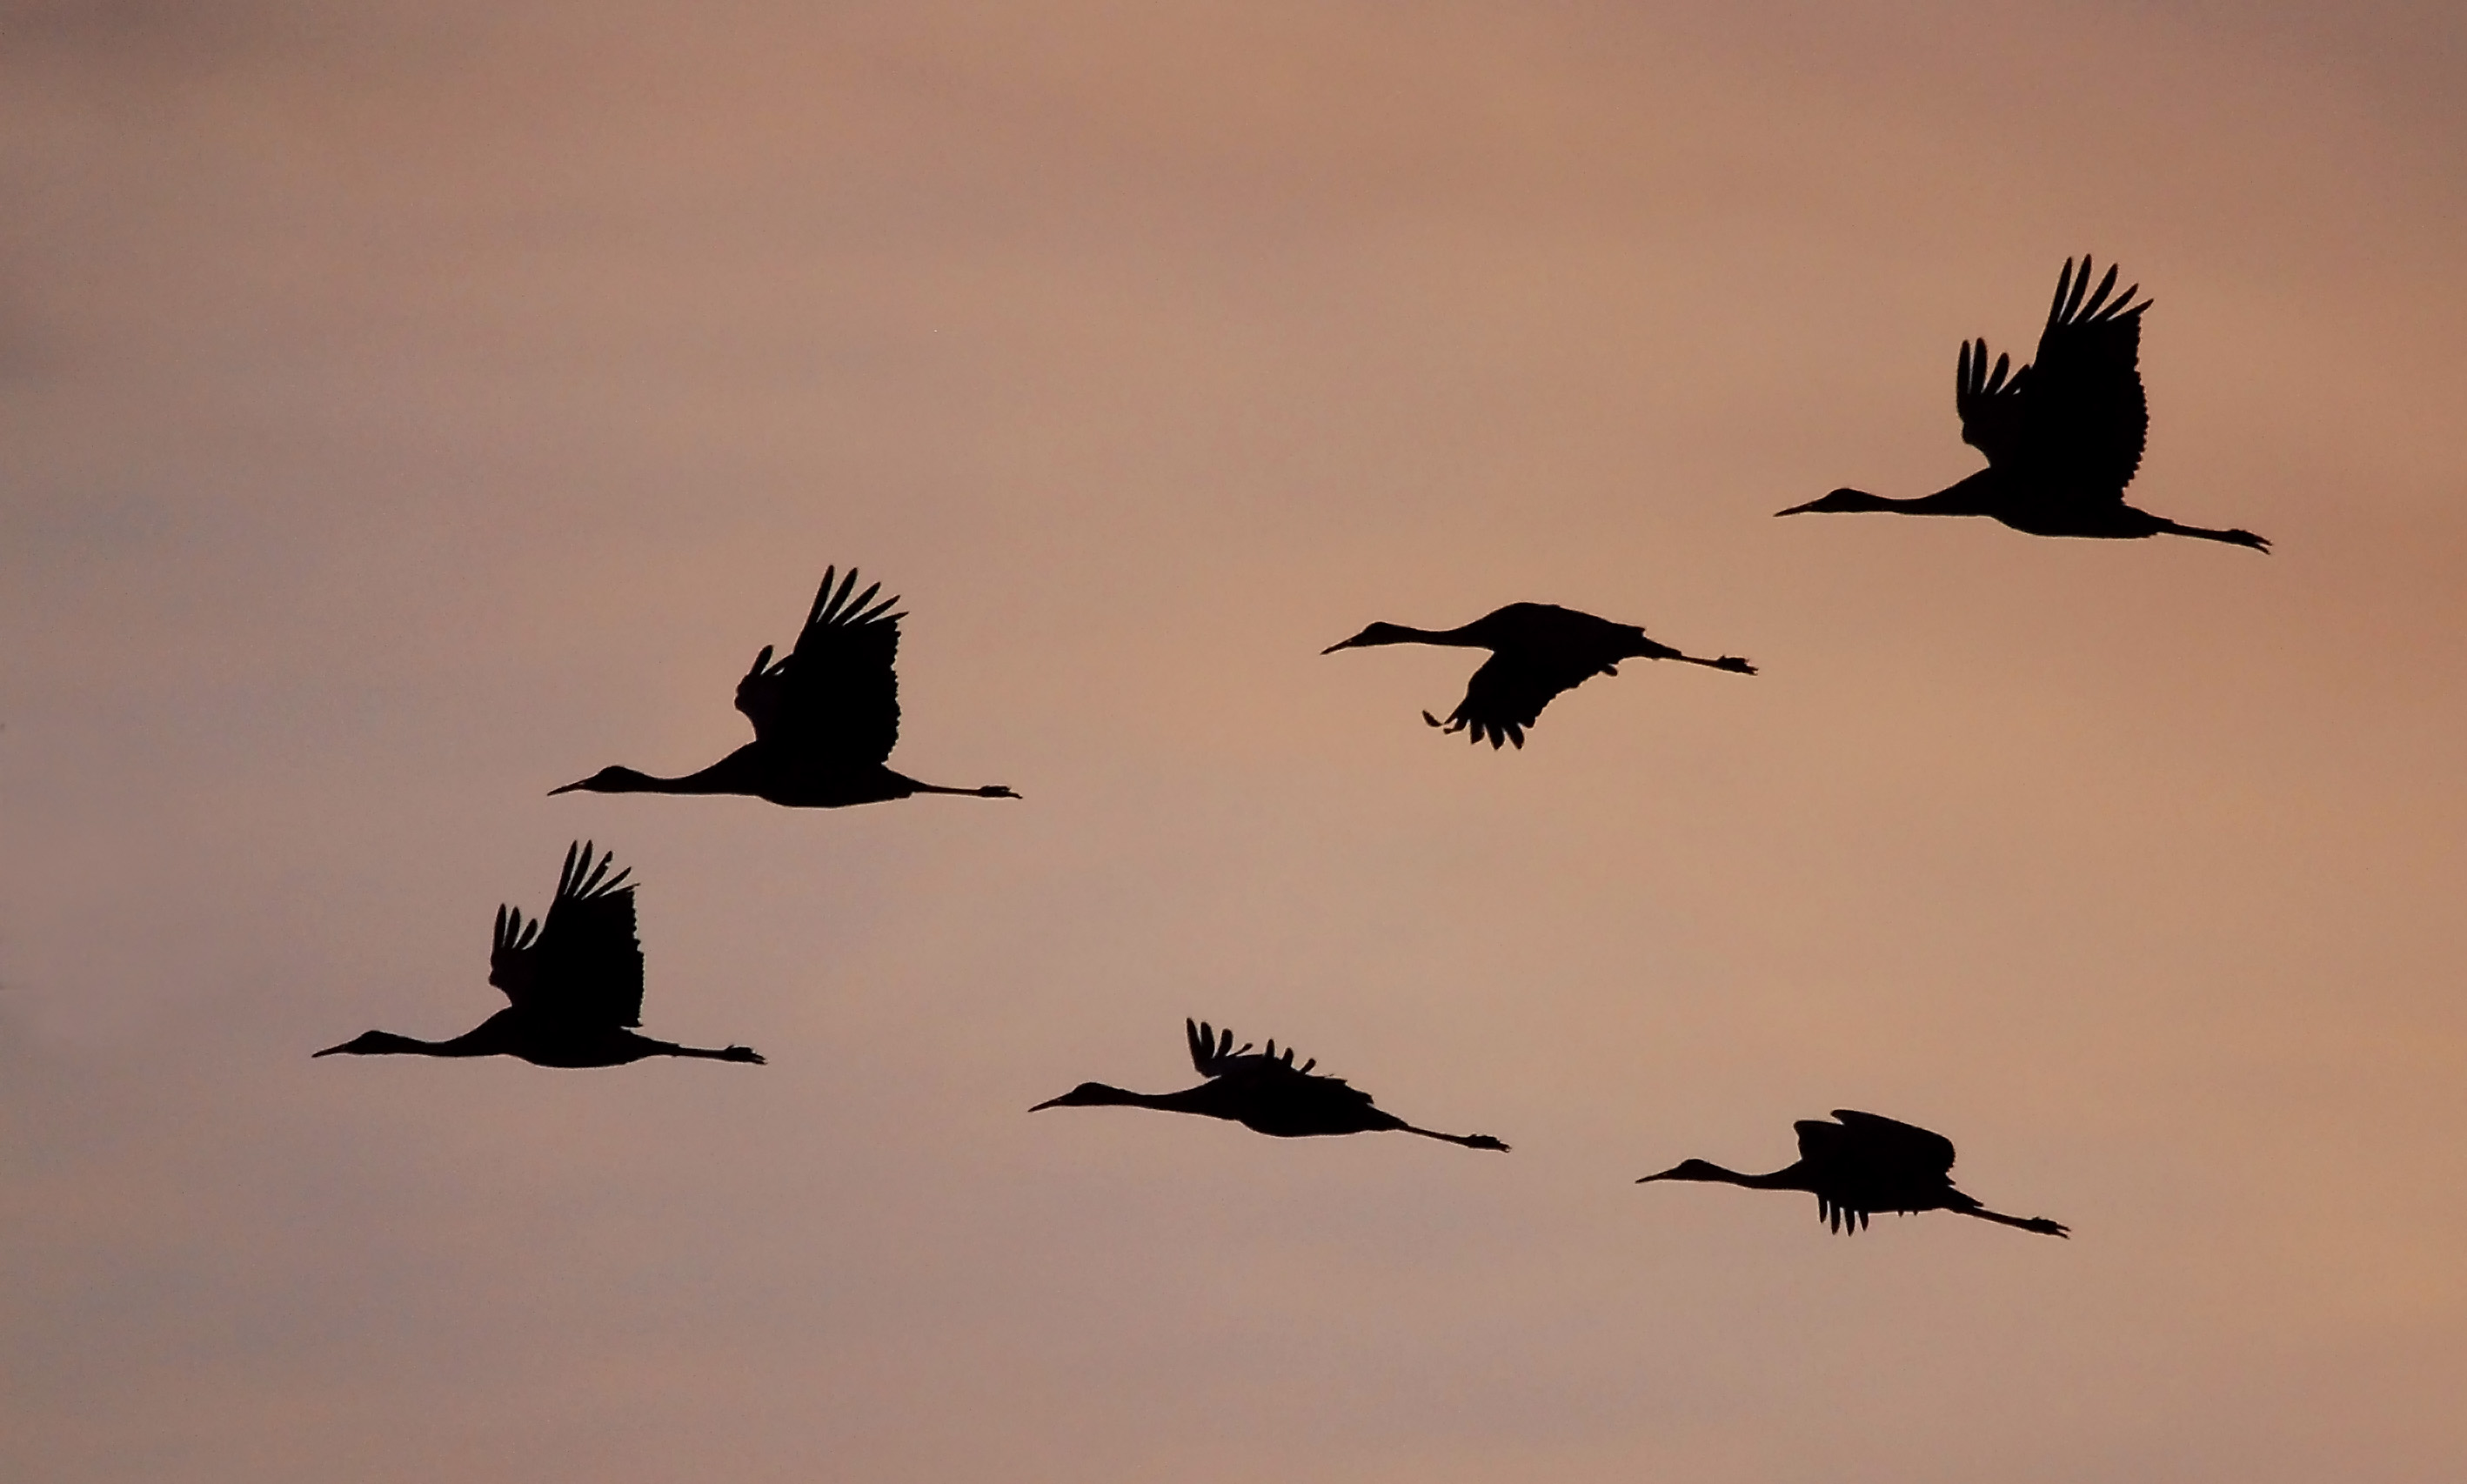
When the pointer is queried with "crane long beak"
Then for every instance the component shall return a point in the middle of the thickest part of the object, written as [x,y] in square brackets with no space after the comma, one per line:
[1665,1175]
[1048,1103]
[329,1050]
[1798,509]
[569,788]
[1343,643]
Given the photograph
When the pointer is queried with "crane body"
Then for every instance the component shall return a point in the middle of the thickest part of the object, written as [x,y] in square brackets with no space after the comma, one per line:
[1860,1164]
[1264,1092]
[1537,651]
[2062,435]
[573,979]
[825,716]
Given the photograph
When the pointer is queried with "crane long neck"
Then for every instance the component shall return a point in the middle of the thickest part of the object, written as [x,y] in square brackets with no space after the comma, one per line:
[1099,1094]
[1459,638]
[714,779]
[738,773]
[1953,500]
[385,1042]
[1190,1100]
[717,778]
[1979,493]
[1788,1177]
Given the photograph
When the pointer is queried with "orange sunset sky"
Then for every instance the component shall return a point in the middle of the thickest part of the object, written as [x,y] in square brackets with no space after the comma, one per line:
[406,407]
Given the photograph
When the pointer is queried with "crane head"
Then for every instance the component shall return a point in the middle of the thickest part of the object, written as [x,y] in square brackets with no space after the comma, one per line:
[609,780]
[1691,1169]
[1090,1094]
[1838,502]
[375,1043]
[1375,634]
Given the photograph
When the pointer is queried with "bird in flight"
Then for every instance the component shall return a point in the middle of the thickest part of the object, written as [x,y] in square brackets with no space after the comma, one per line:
[1262,1092]
[2062,435]
[825,716]
[573,983]
[1864,1165]
[1537,650]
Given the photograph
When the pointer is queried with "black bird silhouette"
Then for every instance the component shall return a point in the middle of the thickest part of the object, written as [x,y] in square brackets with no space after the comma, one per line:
[1264,1092]
[1537,650]
[824,717]
[1865,1165]
[574,984]
[2062,435]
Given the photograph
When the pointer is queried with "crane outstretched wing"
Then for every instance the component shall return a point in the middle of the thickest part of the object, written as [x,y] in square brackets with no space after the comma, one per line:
[1885,1143]
[1214,1053]
[1507,693]
[1989,402]
[582,963]
[834,698]
[2084,417]
[1209,1049]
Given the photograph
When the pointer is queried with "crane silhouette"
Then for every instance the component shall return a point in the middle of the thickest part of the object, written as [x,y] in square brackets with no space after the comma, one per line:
[1864,1165]
[1261,1092]
[1537,650]
[825,716]
[2062,435]
[574,984]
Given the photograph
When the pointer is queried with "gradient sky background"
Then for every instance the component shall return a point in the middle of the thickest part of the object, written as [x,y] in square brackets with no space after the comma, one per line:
[405,408]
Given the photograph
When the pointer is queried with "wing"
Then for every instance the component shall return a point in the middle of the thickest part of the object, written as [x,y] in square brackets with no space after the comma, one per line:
[2084,418]
[513,961]
[835,697]
[1270,1061]
[1819,1140]
[1214,1053]
[1209,1053]
[1887,1144]
[1990,404]
[1507,693]
[586,964]
[1336,1096]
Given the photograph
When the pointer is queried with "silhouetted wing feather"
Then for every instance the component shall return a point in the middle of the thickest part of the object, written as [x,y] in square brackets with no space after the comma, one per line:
[587,964]
[757,694]
[1508,693]
[2084,417]
[1888,1144]
[1204,1051]
[1214,1053]
[512,960]
[1989,402]
[835,696]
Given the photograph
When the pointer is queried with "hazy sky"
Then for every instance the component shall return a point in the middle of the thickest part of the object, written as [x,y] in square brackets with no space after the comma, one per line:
[405,408]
